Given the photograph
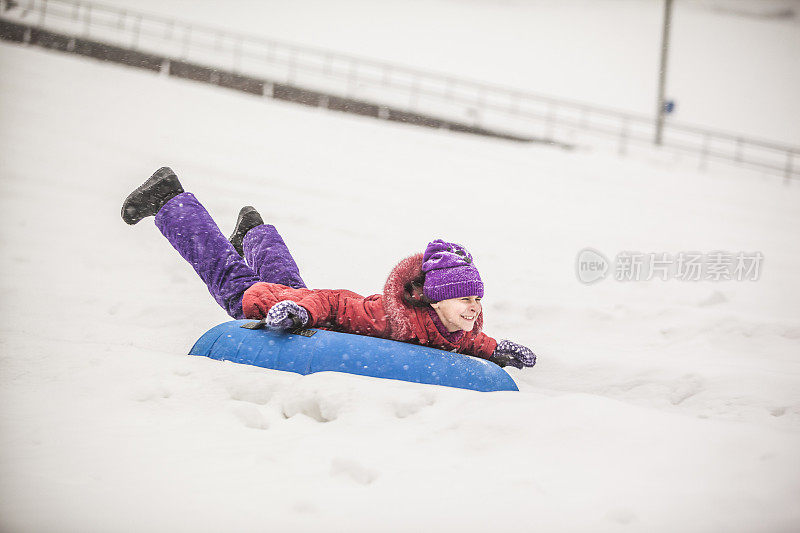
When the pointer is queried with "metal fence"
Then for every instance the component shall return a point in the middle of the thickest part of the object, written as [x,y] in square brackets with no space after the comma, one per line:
[482,105]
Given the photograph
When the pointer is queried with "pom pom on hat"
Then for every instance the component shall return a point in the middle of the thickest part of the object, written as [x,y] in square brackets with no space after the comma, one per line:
[449,272]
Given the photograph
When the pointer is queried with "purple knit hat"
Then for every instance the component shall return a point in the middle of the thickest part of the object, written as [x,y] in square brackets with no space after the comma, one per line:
[449,272]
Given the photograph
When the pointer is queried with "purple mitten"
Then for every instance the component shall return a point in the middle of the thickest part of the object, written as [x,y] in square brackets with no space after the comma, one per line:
[286,315]
[511,353]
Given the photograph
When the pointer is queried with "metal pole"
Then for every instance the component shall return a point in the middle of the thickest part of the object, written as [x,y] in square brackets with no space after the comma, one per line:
[662,72]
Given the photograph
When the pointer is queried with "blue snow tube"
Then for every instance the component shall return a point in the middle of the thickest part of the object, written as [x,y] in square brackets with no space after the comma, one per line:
[316,350]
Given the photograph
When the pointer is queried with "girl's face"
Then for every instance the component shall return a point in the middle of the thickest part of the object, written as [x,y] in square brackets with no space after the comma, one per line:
[458,313]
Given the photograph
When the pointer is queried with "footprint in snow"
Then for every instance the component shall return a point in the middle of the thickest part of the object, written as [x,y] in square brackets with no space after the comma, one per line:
[348,468]
[621,516]
[250,416]
[148,393]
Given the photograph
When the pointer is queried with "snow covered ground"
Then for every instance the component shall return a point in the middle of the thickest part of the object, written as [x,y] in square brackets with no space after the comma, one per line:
[655,406]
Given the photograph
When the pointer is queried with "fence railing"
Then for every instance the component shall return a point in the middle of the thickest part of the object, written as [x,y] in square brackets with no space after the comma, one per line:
[483,105]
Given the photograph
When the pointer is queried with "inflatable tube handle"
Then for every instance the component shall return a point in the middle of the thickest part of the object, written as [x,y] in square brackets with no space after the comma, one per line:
[254,325]
[297,326]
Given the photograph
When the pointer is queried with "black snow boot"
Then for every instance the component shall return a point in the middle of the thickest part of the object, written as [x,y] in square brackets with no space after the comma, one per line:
[151,196]
[248,219]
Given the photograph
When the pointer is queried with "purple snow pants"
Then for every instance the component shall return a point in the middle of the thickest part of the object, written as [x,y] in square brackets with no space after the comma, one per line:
[191,231]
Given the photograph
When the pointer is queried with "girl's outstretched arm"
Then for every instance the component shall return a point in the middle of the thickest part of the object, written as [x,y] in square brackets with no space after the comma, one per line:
[503,353]
[338,309]
[347,311]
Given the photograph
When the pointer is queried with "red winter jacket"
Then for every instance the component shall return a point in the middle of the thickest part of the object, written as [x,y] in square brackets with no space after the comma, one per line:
[380,315]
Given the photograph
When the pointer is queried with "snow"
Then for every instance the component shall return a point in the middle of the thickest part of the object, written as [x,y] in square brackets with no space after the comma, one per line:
[654,406]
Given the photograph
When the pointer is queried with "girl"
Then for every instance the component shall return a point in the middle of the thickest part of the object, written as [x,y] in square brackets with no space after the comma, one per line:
[432,299]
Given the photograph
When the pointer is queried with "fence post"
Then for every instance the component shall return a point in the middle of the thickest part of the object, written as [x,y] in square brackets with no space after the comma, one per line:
[704,152]
[137,28]
[187,36]
[352,77]
[551,118]
[789,170]
[87,19]
[292,66]
[42,13]
[480,105]
[623,137]
[237,55]
[387,76]
[514,103]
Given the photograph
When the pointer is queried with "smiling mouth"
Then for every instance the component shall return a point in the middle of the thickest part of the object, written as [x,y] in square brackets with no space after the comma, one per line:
[468,317]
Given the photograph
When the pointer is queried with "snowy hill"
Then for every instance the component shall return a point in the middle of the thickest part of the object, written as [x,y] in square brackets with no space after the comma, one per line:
[656,406]
[733,64]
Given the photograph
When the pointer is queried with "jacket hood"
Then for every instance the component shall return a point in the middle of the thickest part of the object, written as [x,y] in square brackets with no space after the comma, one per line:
[398,313]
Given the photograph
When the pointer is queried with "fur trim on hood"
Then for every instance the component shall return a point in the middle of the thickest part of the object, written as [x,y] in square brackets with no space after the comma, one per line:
[398,313]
